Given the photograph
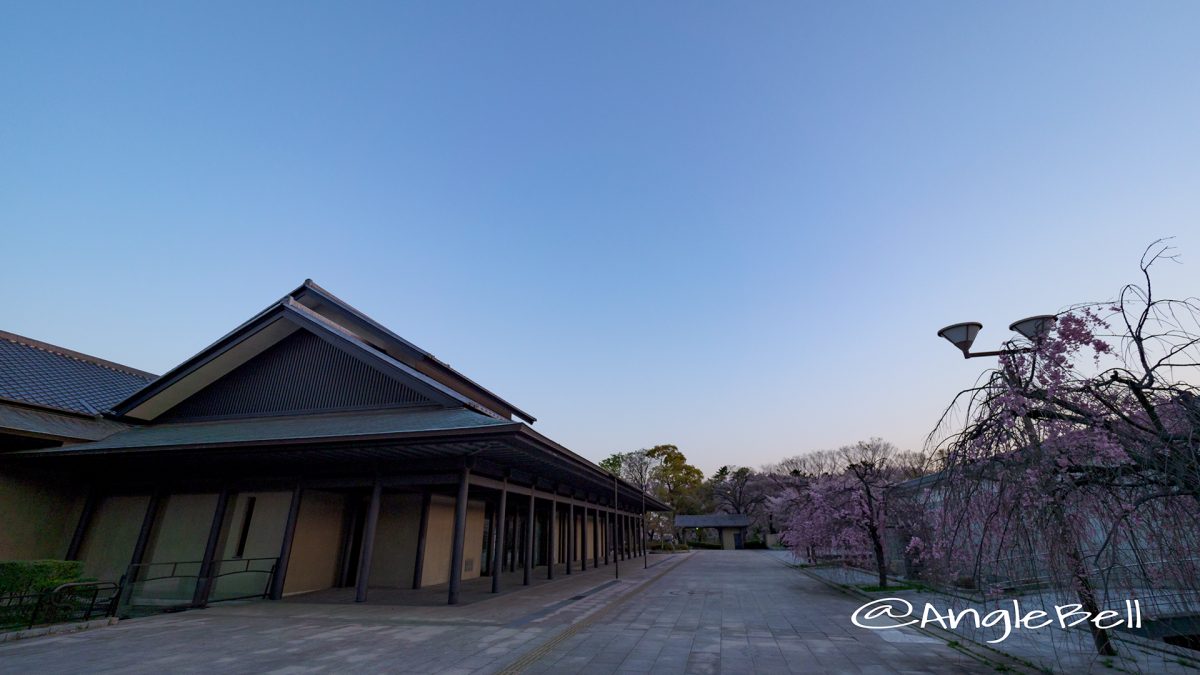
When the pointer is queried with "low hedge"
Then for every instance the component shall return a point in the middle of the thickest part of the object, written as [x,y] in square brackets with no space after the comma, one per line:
[659,546]
[35,576]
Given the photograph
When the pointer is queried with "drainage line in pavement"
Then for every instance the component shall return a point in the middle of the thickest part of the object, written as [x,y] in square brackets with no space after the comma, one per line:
[533,656]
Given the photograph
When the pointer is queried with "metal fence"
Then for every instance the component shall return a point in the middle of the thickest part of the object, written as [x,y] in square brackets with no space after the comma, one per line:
[67,603]
[169,586]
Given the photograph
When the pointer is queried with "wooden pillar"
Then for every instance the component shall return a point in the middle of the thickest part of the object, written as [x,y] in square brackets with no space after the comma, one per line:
[498,564]
[595,537]
[514,540]
[510,536]
[550,539]
[605,519]
[460,535]
[285,548]
[628,539]
[529,539]
[422,531]
[204,579]
[630,544]
[583,539]
[618,537]
[367,549]
[635,541]
[634,548]
[139,546]
[570,535]
[621,536]
[351,505]
[85,520]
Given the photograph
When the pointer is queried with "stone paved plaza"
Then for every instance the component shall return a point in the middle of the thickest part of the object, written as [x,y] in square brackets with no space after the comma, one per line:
[703,612]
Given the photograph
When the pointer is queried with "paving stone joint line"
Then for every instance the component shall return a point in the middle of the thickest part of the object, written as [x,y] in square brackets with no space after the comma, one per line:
[545,648]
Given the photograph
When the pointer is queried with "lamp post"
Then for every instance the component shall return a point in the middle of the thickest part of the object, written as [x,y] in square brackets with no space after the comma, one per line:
[962,335]
[1035,329]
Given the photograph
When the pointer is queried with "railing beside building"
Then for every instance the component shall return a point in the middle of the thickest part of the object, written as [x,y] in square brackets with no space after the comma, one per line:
[170,586]
[71,602]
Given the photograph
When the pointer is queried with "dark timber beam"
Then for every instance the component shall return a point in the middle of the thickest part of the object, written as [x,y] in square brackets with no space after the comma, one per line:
[85,520]
[285,548]
[570,536]
[618,541]
[351,504]
[422,532]
[529,540]
[204,580]
[632,537]
[605,519]
[460,536]
[498,542]
[595,538]
[139,546]
[368,543]
[551,551]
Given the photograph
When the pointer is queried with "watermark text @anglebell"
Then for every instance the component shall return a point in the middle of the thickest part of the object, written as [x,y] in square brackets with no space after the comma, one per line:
[888,613]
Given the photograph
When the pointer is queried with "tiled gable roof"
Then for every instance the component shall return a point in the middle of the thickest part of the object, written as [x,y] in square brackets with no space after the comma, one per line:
[713,520]
[46,375]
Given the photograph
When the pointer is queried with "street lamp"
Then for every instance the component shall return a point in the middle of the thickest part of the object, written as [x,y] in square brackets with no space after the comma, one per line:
[1035,328]
[962,335]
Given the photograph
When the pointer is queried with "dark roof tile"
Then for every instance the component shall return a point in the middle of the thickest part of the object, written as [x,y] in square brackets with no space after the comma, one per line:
[713,520]
[45,375]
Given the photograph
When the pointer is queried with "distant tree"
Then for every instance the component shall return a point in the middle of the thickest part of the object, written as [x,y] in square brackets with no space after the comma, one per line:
[613,463]
[677,482]
[634,467]
[637,467]
[734,490]
[840,504]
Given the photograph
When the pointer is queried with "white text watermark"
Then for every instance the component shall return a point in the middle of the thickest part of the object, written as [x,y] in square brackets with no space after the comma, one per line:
[897,613]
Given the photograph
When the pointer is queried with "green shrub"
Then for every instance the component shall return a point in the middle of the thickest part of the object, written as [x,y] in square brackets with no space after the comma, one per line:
[34,576]
[666,546]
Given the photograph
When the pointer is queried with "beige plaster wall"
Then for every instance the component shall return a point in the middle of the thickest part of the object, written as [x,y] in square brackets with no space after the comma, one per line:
[314,562]
[395,552]
[266,524]
[727,538]
[240,577]
[108,543]
[37,517]
[181,529]
[439,539]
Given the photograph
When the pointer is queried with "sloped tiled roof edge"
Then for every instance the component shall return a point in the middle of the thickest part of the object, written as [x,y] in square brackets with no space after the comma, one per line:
[713,520]
[45,375]
[309,286]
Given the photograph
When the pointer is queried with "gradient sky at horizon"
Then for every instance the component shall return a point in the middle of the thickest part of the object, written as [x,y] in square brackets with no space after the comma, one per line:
[732,228]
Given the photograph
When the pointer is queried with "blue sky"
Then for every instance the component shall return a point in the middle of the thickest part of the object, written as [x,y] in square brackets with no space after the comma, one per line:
[733,228]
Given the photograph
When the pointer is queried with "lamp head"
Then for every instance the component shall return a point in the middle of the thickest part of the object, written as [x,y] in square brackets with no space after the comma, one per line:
[961,335]
[1035,328]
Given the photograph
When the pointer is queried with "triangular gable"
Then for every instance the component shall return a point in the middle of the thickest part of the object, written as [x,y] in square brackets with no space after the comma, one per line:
[332,308]
[301,373]
[227,364]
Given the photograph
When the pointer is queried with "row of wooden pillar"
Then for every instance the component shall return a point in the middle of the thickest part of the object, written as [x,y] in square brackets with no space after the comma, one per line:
[624,538]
